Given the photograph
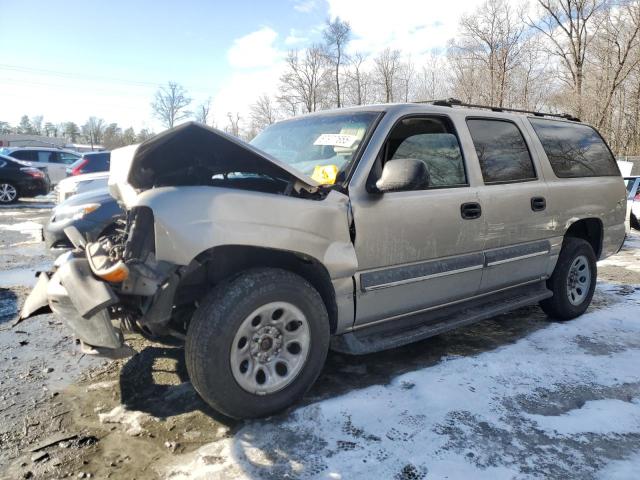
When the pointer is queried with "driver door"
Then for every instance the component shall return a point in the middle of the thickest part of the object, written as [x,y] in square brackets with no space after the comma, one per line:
[417,249]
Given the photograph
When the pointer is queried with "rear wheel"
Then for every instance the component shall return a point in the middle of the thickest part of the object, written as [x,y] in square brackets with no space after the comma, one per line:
[257,343]
[634,222]
[8,193]
[573,281]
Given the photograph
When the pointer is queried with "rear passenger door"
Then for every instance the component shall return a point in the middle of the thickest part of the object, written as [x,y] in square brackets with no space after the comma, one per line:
[514,203]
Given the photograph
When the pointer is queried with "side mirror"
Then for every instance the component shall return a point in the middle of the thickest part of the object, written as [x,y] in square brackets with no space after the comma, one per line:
[403,174]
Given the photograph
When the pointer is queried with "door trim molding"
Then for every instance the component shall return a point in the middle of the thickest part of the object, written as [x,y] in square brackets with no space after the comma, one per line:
[417,272]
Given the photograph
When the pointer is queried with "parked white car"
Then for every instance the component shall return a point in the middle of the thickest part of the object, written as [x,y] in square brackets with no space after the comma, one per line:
[80,184]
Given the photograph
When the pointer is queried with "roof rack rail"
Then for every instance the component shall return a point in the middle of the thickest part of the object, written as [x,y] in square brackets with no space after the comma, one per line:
[454,102]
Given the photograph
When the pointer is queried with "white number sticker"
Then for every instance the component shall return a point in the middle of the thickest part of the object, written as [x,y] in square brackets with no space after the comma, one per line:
[336,140]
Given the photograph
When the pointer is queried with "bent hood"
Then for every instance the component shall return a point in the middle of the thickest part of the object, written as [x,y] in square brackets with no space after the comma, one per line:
[187,154]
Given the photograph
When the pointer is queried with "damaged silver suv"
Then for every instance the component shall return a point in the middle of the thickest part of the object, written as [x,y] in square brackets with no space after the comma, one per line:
[358,229]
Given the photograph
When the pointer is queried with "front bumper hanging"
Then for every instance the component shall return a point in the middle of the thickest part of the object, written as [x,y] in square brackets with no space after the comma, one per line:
[83,303]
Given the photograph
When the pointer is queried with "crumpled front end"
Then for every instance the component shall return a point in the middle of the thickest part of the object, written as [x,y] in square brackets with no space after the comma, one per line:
[100,289]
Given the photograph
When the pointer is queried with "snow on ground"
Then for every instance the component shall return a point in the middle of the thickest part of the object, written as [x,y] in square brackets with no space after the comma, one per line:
[29,227]
[630,262]
[563,402]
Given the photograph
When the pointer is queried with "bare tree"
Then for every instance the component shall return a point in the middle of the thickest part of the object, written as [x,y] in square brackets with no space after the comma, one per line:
[304,81]
[263,113]
[170,104]
[336,36]
[357,78]
[93,130]
[233,127]
[36,124]
[491,36]
[203,111]
[615,55]
[387,64]
[569,26]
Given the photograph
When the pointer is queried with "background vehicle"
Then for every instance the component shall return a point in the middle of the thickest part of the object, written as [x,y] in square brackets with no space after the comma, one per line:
[633,201]
[19,179]
[93,213]
[91,163]
[262,257]
[54,160]
[80,184]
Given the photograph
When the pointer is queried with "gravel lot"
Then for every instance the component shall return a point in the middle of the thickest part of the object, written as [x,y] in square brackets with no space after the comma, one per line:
[519,396]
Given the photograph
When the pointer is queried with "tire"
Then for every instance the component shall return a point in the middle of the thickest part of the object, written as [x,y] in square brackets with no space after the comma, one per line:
[634,222]
[568,303]
[8,193]
[215,343]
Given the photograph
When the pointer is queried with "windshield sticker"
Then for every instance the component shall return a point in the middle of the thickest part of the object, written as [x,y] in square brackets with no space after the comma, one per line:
[336,140]
[325,174]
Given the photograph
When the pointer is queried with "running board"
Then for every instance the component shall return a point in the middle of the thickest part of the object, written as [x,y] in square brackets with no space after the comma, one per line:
[398,332]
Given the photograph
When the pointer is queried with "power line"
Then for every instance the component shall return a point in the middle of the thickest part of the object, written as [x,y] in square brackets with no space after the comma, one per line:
[72,75]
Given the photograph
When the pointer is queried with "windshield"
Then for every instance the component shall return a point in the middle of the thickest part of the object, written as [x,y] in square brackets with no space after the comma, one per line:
[320,146]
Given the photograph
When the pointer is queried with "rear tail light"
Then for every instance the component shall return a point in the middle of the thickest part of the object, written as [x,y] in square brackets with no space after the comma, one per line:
[78,169]
[34,172]
[637,197]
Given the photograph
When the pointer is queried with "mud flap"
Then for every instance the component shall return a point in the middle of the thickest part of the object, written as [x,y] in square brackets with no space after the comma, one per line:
[37,302]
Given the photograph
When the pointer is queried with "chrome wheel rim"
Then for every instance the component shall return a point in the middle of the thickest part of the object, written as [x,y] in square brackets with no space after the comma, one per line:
[578,280]
[270,348]
[8,193]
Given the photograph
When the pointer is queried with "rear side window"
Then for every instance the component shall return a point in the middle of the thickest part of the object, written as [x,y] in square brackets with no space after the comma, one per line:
[97,163]
[574,150]
[29,155]
[502,151]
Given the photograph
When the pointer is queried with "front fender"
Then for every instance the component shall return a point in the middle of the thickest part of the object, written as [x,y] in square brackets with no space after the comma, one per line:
[191,220]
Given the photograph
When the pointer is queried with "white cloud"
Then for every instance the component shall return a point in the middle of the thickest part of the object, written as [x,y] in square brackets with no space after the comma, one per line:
[255,49]
[415,27]
[295,38]
[304,6]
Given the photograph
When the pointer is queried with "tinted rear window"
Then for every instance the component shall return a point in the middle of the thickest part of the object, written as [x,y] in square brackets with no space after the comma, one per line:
[30,155]
[501,150]
[574,150]
[98,162]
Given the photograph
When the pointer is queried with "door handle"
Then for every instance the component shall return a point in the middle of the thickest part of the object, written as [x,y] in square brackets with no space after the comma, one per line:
[471,210]
[538,204]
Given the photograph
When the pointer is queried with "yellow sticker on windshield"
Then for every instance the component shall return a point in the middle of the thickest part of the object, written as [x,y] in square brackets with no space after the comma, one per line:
[325,174]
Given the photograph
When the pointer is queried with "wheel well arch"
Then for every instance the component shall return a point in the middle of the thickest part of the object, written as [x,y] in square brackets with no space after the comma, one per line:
[589,229]
[225,261]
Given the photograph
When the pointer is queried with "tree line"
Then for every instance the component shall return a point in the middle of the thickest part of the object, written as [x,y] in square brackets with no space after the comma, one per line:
[580,57]
[95,131]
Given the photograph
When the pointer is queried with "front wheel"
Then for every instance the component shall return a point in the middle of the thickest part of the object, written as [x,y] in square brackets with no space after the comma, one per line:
[573,281]
[257,343]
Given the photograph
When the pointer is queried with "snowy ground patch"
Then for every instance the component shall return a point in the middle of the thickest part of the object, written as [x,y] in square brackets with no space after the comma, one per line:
[562,402]
[29,227]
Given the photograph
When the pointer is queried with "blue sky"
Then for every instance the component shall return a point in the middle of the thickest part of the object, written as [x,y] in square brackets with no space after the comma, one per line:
[71,59]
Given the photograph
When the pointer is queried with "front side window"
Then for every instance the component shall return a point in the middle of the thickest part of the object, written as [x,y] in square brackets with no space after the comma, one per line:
[320,146]
[502,151]
[574,150]
[432,141]
[64,158]
[46,157]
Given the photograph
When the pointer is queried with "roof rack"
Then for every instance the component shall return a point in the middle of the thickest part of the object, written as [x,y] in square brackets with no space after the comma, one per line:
[454,102]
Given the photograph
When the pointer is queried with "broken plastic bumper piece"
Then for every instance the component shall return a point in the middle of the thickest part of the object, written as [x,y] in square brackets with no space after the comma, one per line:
[82,302]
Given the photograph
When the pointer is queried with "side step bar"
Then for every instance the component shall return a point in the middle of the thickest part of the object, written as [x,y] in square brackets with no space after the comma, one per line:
[396,333]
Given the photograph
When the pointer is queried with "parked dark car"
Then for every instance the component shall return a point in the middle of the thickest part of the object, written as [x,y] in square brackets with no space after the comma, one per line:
[93,213]
[91,163]
[18,179]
